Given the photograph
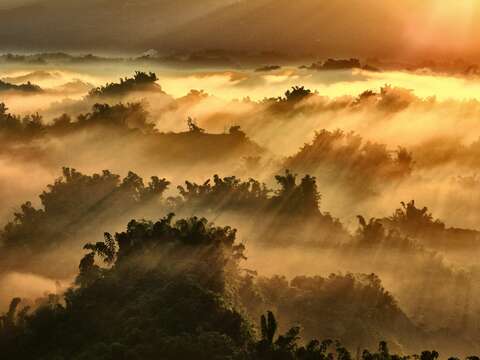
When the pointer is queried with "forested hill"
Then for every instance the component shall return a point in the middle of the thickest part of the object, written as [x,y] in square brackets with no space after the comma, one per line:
[175,289]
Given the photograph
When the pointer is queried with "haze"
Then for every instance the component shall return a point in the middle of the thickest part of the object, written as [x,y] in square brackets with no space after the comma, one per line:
[239,179]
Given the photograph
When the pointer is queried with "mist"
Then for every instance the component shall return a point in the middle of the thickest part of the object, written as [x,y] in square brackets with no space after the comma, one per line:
[209,194]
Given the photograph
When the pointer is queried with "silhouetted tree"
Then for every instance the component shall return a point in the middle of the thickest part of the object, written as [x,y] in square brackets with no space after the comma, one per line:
[27,88]
[69,206]
[193,127]
[140,81]
[338,156]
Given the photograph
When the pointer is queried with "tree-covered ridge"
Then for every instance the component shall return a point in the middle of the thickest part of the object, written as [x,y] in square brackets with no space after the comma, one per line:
[175,290]
[140,81]
[109,127]
[70,205]
[294,100]
[225,192]
[410,223]
[420,224]
[167,290]
[23,88]
[162,292]
[303,198]
[68,208]
[130,115]
[352,307]
[346,157]
[121,116]
[369,168]
[357,307]
[13,127]
[278,215]
[423,272]
[300,100]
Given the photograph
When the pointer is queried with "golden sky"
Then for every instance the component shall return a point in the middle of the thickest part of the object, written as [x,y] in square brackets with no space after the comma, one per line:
[395,29]
[445,25]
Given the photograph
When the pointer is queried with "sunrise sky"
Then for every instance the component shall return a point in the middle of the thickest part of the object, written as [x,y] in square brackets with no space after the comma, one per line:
[399,30]
[335,142]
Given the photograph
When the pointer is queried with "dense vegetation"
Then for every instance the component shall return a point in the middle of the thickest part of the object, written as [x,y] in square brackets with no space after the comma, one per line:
[356,307]
[345,157]
[174,290]
[163,293]
[120,116]
[69,209]
[139,82]
[76,204]
[278,215]
[106,128]
[26,88]
[420,224]
[184,289]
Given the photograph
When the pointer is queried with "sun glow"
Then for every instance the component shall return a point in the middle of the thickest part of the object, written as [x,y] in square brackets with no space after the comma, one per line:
[446,24]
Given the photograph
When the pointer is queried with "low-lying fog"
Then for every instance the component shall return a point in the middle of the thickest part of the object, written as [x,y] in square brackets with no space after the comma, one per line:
[372,140]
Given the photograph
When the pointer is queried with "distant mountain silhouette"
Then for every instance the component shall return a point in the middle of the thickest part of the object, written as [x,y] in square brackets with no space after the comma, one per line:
[302,28]
[341,28]
[39,75]
[90,24]
[360,28]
